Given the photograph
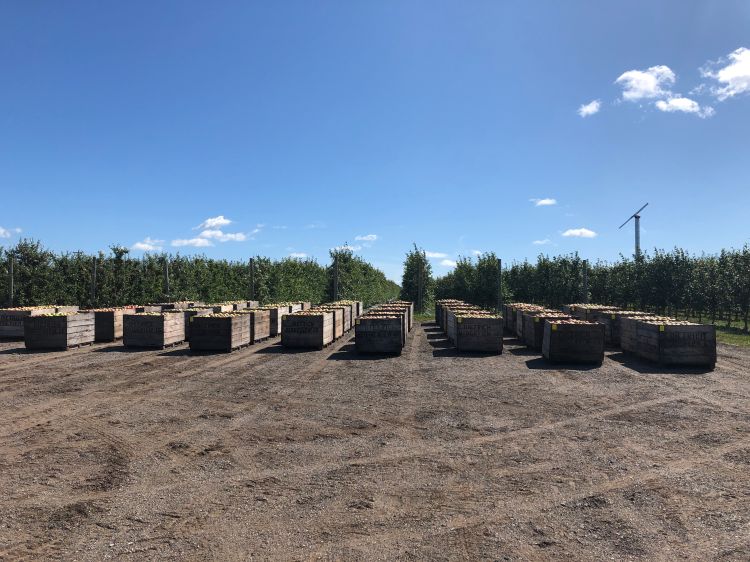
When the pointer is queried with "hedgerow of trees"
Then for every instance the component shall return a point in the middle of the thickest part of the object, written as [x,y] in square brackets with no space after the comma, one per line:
[45,277]
[714,288]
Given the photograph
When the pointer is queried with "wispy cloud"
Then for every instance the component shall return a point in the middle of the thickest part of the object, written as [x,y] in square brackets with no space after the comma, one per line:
[279,227]
[224,236]
[542,242]
[148,244]
[8,232]
[366,238]
[684,105]
[590,108]
[579,233]
[315,225]
[652,83]
[192,242]
[731,72]
[546,202]
[435,255]
[213,222]
[299,255]
[477,252]
[448,263]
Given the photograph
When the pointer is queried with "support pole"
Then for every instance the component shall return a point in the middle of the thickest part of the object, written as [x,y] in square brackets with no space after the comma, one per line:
[637,236]
[166,277]
[12,286]
[585,281]
[93,284]
[499,285]
[336,277]
[252,279]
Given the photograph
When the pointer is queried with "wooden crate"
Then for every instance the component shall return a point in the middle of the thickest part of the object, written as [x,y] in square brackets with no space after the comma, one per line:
[479,334]
[152,330]
[191,313]
[221,307]
[522,309]
[533,329]
[579,342]
[338,319]
[306,305]
[148,308]
[60,331]
[379,334]
[308,329]
[260,324]
[108,323]
[220,332]
[66,309]
[12,319]
[295,307]
[400,314]
[275,313]
[391,308]
[629,330]
[240,305]
[410,311]
[252,304]
[682,344]
[450,319]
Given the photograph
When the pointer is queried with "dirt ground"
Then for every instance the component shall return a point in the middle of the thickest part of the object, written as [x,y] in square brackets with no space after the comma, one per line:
[107,453]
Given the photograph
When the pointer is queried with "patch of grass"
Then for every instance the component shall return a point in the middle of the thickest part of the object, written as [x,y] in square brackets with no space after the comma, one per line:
[424,317]
[732,336]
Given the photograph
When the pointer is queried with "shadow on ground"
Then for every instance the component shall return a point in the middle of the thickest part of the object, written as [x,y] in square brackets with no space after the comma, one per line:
[643,367]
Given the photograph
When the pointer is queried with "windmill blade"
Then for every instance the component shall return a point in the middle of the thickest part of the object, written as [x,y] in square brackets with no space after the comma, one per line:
[626,222]
[633,216]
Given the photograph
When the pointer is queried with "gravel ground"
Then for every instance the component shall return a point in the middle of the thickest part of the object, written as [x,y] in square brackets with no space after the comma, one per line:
[263,453]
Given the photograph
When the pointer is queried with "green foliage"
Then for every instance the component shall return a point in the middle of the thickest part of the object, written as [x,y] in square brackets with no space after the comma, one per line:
[349,277]
[675,283]
[417,284]
[41,277]
[474,283]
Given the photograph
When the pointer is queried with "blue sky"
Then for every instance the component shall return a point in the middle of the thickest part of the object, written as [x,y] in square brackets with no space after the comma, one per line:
[309,125]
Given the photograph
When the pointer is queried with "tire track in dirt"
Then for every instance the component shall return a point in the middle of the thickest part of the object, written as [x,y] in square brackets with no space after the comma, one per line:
[530,509]
[55,409]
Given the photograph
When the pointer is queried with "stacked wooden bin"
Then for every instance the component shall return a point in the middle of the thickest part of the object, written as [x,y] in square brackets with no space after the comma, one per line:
[59,330]
[384,328]
[306,327]
[469,327]
[659,339]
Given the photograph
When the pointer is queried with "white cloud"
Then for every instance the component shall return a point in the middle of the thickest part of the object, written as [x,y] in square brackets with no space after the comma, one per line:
[546,202]
[315,225]
[148,244]
[367,238]
[8,232]
[448,263]
[579,233]
[213,222]
[194,242]
[651,83]
[542,242]
[732,73]
[684,105]
[435,255]
[477,252]
[225,236]
[298,255]
[590,108]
